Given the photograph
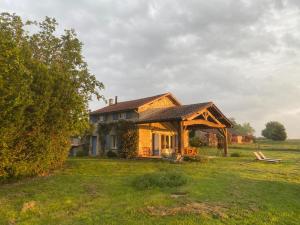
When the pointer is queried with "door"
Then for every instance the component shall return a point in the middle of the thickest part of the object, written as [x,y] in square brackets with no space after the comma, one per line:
[94,145]
[155,144]
[168,144]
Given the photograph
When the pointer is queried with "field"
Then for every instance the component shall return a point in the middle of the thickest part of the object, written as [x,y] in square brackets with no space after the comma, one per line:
[232,190]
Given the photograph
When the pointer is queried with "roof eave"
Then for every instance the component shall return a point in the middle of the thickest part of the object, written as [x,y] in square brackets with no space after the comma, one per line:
[158,120]
[114,111]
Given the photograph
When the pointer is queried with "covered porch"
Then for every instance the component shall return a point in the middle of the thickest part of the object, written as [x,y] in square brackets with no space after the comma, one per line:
[181,119]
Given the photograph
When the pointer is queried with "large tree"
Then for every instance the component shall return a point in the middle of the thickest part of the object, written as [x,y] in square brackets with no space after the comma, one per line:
[274,131]
[45,86]
[243,129]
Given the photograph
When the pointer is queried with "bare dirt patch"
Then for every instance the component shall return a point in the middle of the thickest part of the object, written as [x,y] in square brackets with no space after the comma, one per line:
[28,206]
[204,209]
[178,194]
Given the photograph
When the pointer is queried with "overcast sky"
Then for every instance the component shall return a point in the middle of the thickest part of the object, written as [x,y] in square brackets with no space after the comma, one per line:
[242,55]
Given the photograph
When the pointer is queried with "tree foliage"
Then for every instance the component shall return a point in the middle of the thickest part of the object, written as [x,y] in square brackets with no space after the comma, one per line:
[242,129]
[274,131]
[45,86]
[127,137]
[103,130]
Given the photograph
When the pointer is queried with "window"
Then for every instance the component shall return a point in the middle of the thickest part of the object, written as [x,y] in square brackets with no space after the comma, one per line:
[153,141]
[93,119]
[122,116]
[172,141]
[167,142]
[163,145]
[115,116]
[101,118]
[128,115]
[113,139]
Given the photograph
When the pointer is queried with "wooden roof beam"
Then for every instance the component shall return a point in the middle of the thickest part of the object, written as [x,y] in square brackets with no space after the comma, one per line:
[203,122]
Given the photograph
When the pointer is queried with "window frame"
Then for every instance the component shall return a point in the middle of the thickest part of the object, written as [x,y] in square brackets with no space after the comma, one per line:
[113,142]
[128,115]
[172,141]
[122,115]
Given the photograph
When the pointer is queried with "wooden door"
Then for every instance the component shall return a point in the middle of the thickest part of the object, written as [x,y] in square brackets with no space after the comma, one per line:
[94,145]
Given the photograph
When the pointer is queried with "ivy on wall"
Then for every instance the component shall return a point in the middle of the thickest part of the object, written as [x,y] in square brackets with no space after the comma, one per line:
[127,137]
[103,130]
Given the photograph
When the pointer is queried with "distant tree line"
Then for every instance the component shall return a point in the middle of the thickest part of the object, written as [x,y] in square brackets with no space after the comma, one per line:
[45,86]
[274,130]
[242,129]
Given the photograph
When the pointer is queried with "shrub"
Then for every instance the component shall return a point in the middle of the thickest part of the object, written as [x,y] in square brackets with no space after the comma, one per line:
[128,138]
[235,154]
[160,180]
[197,142]
[196,158]
[82,151]
[111,154]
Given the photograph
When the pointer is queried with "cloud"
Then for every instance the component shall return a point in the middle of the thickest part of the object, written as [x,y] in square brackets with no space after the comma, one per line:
[243,55]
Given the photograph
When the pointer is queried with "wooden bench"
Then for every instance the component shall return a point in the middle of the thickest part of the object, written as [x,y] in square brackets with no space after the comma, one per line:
[190,151]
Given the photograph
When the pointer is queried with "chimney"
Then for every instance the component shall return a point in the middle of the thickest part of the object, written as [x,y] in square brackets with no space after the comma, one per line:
[110,101]
[116,99]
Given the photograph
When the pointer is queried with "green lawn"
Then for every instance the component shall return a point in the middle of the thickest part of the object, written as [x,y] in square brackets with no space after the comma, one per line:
[232,190]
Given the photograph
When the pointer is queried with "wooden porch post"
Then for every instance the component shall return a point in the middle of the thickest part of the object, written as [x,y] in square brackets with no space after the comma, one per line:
[180,138]
[224,133]
[225,142]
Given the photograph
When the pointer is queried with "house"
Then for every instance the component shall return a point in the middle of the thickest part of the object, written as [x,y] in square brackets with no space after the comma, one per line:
[239,138]
[210,137]
[162,123]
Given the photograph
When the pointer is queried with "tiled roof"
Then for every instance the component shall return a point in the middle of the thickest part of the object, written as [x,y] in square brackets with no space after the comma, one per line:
[128,105]
[179,112]
[172,113]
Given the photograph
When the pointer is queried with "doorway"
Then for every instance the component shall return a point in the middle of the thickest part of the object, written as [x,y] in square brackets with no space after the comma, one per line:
[94,145]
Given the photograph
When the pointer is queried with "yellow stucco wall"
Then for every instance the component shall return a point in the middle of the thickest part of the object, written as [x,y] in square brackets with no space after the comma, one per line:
[145,134]
[145,139]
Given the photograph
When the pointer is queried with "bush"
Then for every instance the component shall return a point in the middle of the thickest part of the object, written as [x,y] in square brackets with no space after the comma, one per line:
[160,180]
[82,151]
[128,138]
[111,154]
[235,154]
[196,158]
[197,142]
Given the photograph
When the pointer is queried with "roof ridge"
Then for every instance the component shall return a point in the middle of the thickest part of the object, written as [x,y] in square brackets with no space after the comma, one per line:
[210,102]
[136,103]
[144,98]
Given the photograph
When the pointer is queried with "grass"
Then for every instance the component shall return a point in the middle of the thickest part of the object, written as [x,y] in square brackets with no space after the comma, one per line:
[232,190]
